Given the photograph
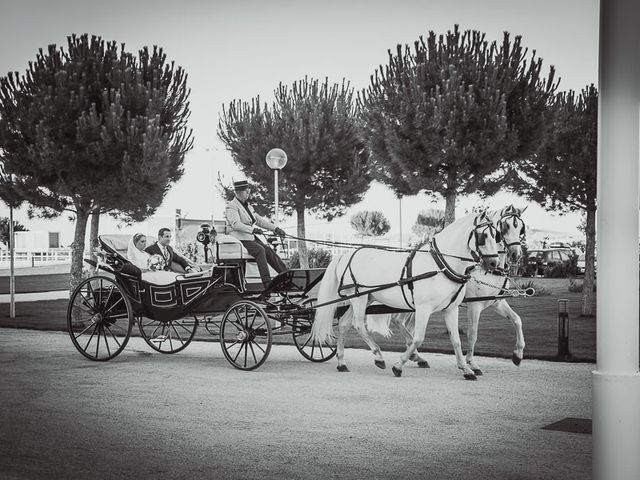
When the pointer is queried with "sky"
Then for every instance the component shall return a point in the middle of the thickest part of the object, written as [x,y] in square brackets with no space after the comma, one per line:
[243,48]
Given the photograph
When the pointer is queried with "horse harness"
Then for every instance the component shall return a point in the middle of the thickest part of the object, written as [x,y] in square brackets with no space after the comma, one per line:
[407,278]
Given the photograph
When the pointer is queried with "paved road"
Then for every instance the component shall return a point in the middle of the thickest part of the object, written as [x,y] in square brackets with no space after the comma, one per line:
[191,415]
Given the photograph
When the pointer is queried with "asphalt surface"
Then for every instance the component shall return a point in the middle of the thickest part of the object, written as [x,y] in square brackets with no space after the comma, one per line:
[192,415]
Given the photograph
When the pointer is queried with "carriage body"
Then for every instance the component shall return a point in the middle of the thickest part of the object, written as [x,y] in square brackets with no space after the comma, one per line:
[105,306]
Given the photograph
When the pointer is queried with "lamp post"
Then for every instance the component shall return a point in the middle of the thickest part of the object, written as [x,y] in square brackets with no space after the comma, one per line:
[276,159]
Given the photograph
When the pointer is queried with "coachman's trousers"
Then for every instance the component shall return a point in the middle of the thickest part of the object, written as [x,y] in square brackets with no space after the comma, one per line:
[264,256]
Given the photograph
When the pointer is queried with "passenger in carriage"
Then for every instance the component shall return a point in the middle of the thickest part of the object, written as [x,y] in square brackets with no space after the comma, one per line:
[150,265]
[168,254]
[136,253]
[244,224]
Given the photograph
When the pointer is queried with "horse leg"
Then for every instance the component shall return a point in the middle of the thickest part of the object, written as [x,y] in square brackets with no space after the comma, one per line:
[503,309]
[421,317]
[404,319]
[343,326]
[473,318]
[359,322]
[378,359]
[451,320]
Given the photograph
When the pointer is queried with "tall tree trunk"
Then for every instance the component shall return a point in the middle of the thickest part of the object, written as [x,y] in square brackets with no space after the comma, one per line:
[303,254]
[93,236]
[589,260]
[450,208]
[77,247]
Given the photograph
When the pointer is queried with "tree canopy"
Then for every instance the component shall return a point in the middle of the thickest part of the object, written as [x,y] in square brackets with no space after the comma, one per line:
[563,175]
[94,128]
[315,123]
[448,114]
[370,223]
[4,229]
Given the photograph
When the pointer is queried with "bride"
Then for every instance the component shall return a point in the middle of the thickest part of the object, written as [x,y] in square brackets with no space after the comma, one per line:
[149,265]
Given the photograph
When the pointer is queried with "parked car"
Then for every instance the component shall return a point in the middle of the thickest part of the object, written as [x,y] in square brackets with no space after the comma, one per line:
[539,259]
[581,265]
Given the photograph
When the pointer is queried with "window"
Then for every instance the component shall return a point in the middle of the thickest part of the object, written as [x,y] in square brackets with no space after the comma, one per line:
[54,240]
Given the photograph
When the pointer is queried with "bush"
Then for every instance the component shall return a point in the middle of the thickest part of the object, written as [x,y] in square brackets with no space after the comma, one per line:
[318,258]
[540,290]
[577,287]
[560,270]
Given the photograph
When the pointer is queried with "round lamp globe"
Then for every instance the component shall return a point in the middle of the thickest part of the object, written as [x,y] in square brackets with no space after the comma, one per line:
[276,158]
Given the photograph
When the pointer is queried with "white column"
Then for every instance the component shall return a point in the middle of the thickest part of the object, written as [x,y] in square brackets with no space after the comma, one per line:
[616,381]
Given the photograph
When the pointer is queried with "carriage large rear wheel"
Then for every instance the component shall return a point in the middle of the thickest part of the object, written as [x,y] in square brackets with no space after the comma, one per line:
[314,351]
[99,318]
[168,336]
[245,335]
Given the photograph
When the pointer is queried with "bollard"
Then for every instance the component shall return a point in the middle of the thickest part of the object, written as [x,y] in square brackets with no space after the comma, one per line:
[563,331]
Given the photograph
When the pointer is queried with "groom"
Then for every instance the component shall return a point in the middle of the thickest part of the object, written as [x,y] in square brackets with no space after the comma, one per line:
[168,254]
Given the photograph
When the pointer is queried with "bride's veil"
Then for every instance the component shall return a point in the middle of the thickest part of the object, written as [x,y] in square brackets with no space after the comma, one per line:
[139,258]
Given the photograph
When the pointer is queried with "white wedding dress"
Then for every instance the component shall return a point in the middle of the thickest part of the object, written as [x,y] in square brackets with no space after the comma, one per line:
[141,260]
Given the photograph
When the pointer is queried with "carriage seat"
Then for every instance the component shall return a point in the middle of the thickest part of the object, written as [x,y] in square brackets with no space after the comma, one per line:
[228,247]
[119,242]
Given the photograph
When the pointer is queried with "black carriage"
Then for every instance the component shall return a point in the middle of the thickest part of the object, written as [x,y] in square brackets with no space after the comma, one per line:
[104,307]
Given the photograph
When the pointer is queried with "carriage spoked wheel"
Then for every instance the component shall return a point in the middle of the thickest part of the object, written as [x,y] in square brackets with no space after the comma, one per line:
[309,349]
[170,336]
[99,318]
[245,335]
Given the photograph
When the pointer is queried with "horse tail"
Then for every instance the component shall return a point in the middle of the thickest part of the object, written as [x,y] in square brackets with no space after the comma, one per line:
[322,328]
[380,324]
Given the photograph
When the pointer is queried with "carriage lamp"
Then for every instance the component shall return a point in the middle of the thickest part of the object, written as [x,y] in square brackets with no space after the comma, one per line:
[276,160]
[205,236]
[563,330]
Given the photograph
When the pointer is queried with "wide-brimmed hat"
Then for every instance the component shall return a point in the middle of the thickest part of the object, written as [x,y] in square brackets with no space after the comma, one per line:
[241,184]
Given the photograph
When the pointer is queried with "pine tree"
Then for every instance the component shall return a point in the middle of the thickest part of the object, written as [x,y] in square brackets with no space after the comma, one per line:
[315,123]
[445,116]
[94,129]
[563,175]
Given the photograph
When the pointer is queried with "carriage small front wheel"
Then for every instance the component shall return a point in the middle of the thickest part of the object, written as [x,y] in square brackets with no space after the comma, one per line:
[245,335]
[315,351]
[171,336]
[99,318]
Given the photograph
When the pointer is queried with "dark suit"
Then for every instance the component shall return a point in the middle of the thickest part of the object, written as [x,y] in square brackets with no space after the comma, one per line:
[155,249]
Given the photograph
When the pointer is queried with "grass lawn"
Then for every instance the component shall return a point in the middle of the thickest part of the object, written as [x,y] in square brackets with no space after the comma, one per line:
[36,283]
[496,336]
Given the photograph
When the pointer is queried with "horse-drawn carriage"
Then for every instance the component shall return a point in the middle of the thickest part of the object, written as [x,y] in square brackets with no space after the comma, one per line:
[104,307]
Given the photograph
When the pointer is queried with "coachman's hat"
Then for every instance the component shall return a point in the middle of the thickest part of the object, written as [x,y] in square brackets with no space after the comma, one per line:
[240,184]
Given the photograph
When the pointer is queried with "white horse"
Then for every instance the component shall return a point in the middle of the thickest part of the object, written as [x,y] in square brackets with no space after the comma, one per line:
[438,279]
[492,283]
[483,287]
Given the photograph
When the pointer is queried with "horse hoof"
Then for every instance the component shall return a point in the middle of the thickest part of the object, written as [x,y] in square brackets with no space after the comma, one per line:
[423,364]
[477,371]
[342,368]
[516,360]
[380,364]
[396,371]
[470,376]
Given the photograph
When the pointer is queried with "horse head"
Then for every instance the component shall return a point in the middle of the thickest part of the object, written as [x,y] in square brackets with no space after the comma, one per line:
[511,231]
[486,238]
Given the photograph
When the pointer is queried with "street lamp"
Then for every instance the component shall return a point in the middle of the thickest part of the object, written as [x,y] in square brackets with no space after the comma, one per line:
[276,159]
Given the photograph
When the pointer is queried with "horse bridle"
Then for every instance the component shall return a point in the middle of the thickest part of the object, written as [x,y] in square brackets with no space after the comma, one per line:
[480,233]
[502,227]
